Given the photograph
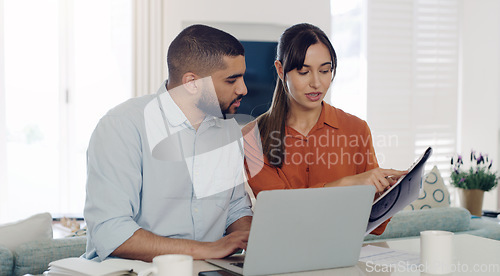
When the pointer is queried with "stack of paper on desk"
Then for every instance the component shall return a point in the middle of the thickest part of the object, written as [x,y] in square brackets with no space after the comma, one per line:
[84,267]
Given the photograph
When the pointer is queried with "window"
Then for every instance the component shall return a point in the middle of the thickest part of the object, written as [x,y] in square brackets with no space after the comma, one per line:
[398,69]
[412,80]
[65,64]
[348,90]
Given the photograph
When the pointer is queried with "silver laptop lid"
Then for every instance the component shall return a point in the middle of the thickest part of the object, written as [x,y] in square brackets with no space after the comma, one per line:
[307,229]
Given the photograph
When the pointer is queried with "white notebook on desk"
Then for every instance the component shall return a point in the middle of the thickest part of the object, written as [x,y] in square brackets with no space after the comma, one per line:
[84,267]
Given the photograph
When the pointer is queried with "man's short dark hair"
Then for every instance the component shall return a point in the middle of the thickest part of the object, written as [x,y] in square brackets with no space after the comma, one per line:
[199,49]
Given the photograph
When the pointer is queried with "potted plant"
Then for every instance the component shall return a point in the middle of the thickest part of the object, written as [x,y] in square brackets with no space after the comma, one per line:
[473,182]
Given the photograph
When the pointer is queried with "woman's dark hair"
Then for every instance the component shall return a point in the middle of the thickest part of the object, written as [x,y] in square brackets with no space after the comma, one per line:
[291,52]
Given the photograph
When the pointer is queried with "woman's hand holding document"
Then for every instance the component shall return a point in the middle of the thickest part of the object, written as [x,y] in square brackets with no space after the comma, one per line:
[399,195]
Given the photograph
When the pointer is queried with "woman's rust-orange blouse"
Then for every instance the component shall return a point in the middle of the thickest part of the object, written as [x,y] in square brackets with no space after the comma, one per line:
[338,145]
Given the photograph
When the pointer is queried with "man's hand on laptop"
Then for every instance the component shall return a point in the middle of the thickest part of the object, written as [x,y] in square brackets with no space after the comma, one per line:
[382,179]
[223,247]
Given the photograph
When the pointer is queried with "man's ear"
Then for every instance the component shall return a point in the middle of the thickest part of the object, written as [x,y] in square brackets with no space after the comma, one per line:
[189,82]
[279,69]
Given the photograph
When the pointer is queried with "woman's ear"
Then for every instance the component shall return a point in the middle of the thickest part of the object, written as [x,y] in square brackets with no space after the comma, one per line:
[189,82]
[279,69]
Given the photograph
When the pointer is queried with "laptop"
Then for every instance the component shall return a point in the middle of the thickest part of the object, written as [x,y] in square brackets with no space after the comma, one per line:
[304,229]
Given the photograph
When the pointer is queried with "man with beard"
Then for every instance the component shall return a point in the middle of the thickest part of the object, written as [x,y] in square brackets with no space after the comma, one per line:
[165,171]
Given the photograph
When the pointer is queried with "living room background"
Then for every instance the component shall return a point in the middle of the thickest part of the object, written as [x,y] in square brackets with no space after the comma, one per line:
[422,71]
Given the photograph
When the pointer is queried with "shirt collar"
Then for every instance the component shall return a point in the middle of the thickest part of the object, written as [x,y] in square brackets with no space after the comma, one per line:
[174,114]
[213,121]
[328,116]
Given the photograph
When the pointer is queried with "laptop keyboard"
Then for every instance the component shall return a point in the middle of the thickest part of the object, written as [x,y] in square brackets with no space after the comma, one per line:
[240,264]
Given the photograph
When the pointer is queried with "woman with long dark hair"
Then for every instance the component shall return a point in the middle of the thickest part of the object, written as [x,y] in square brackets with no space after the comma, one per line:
[301,141]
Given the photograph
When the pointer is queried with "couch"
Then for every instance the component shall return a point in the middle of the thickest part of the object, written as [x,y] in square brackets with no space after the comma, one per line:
[407,224]
[33,257]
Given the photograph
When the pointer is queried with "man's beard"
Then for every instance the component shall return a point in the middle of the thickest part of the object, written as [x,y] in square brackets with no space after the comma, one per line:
[212,106]
[227,110]
[209,105]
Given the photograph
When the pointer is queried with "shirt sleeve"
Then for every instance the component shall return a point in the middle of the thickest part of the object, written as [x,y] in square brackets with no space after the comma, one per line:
[114,180]
[371,162]
[239,206]
[381,228]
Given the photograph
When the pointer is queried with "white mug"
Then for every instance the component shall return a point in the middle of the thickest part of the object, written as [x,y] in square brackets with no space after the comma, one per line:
[170,265]
[436,251]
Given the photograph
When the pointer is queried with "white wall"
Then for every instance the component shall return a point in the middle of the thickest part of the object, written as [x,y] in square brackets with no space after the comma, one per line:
[480,88]
[260,18]
[3,129]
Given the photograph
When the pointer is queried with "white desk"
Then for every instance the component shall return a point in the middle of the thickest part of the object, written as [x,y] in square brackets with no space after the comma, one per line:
[471,252]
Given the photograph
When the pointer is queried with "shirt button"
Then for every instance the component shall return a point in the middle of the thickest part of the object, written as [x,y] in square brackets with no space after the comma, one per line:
[196,210]
[307,169]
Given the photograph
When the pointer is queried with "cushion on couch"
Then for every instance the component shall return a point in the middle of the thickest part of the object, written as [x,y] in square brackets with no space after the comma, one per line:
[37,227]
[434,193]
[484,228]
[34,257]
[411,223]
[6,261]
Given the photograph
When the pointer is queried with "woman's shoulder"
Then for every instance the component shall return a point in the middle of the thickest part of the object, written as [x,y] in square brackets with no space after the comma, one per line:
[249,128]
[343,118]
[254,125]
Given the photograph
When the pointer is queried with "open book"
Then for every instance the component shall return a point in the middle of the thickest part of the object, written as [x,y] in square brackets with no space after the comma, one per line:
[403,192]
[84,267]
